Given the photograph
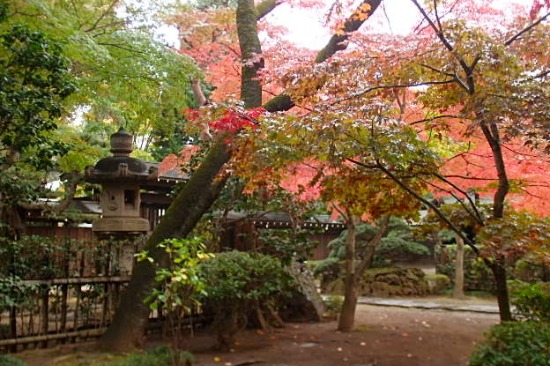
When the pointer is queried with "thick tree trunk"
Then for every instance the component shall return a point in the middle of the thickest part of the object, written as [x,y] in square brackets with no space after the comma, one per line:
[458,291]
[127,330]
[347,314]
[251,53]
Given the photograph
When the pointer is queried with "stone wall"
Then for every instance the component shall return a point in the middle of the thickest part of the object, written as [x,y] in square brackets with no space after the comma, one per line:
[384,282]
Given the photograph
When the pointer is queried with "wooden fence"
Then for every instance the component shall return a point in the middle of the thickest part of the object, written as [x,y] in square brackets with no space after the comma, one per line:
[60,289]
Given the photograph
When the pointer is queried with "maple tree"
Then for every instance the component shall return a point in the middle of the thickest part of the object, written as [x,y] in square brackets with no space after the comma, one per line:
[192,201]
[484,87]
[354,108]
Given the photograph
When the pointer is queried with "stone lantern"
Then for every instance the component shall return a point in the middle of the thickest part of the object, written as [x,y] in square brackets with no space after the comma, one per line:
[120,177]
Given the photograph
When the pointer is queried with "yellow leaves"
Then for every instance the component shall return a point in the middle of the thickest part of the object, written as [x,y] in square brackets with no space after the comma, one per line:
[362,12]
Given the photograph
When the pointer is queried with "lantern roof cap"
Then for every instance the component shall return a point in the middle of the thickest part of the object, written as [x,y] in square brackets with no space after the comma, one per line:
[121,165]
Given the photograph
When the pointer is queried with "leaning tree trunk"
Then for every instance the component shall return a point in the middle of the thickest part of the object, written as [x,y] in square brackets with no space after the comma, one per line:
[128,327]
[127,330]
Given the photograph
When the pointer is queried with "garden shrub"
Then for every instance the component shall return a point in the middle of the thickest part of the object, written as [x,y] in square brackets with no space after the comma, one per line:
[513,344]
[477,276]
[531,301]
[239,284]
[529,270]
[333,304]
[158,356]
[6,360]
[437,283]
[328,270]
[398,244]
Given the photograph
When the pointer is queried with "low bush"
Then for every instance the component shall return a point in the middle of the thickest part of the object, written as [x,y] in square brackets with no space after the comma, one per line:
[10,361]
[531,301]
[513,344]
[158,356]
[240,284]
[333,304]
[437,283]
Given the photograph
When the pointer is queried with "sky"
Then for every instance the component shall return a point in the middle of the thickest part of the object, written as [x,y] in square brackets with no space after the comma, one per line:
[306,27]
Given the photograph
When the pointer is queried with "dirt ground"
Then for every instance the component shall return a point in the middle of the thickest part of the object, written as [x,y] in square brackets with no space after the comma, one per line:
[384,336]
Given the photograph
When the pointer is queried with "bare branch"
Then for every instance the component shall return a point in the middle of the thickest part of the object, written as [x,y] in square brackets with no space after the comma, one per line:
[516,36]
[109,9]
[453,75]
[434,118]
[476,214]
[467,69]
[395,86]
[266,7]
[437,211]
[338,41]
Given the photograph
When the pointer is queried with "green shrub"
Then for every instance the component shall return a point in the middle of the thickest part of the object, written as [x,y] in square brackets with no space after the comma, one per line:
[10,361]
[531,301]
[477,276]
[513,344]
[158,356]
[328,269]
[239,284]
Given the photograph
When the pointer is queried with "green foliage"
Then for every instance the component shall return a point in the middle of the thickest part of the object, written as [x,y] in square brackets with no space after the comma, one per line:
[532,302]
[397,244]
[477,276]
[158,356]
[14,294]
[333,305]
[181,286]
[242,278]
[514,343]
[286,244]
[35,80]
[124,76]
[520,234]
[34,256]
[329,268]
[181,281]
[6,360]
[239,283]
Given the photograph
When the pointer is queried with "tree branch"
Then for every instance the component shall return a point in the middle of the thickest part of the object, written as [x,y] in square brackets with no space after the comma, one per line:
[266,7]
[476,214]
[512,39]
[470,87]
[338,40]
[109,9]
[437,211]
[395,86]
[434,118]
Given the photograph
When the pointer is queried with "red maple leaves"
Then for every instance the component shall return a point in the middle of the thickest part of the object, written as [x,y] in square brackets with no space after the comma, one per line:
[233,121]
